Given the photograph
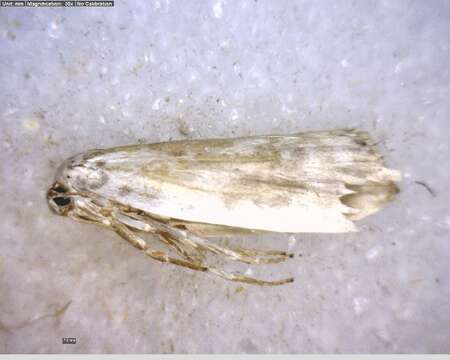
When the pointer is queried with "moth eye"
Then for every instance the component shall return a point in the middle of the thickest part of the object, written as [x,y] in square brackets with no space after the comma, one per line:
[61,201]
[59,189]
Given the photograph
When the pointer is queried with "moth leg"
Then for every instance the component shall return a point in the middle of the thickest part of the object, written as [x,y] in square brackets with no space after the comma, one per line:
[231,253]
[139,243]
[197,257]
[278,256]
[246,279]
[244,255]
[263,252]
[175,237]
[139,223]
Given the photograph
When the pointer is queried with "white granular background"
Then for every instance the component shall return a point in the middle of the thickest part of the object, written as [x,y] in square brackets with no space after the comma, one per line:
[73,79]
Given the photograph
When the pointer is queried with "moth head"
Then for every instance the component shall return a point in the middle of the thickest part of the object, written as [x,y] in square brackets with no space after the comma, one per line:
[76,179]
[59,203]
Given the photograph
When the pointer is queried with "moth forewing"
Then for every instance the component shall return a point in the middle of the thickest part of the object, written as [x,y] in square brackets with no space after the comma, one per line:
[307,182]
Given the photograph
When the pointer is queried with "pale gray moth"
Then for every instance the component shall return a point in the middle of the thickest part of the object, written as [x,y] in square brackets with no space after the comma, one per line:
[187,191]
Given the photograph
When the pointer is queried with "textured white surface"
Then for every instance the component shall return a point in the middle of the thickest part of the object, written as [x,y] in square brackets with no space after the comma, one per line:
[73,79]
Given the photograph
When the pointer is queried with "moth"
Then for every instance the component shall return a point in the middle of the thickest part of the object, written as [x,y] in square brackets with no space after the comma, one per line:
[187,192]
